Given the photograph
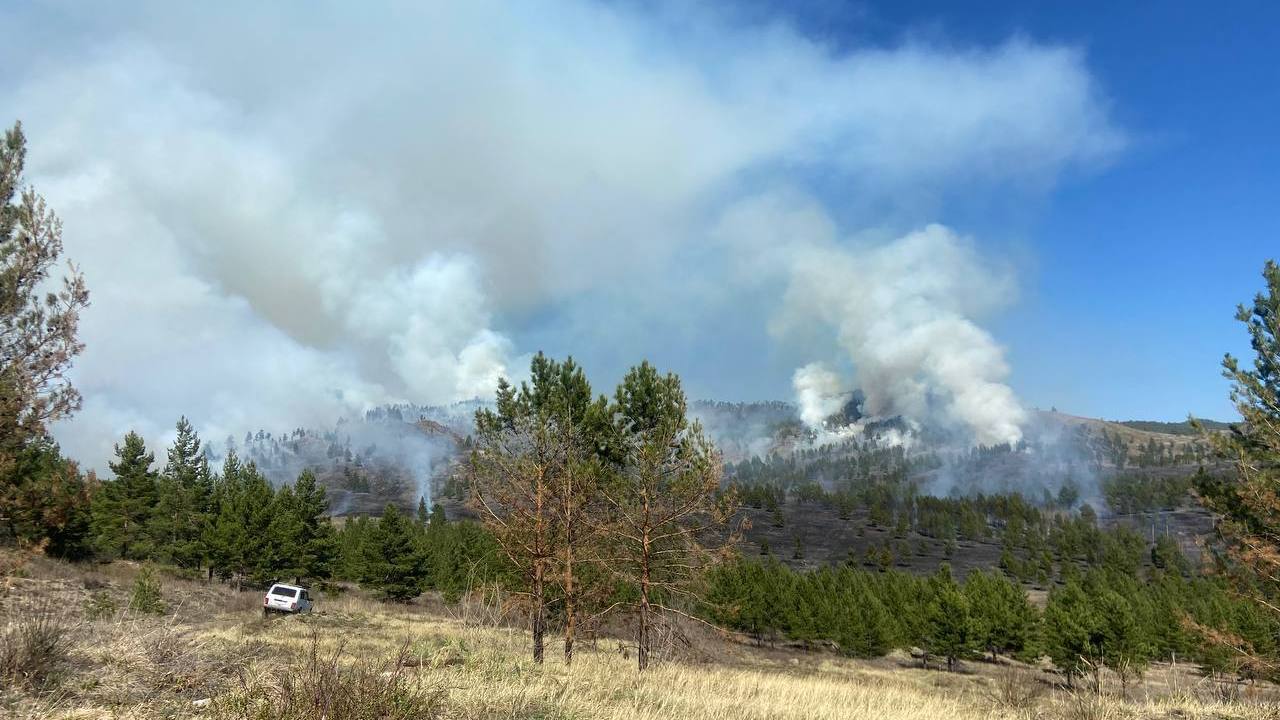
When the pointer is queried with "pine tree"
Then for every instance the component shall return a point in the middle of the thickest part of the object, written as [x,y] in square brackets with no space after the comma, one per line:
[48,502]
[1073,631]
[313,549]
[1126,647]
[1003,619]
[537,460]
[183,496]
[239,543]
[437,519]
[393,562]
[350,541]
[950,629]
[1250,503]
[220,536]
[122,508]
[665,503]
[39,319]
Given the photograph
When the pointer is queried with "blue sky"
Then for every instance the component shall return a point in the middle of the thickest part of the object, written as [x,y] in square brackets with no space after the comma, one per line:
[966,210]
[1139,265]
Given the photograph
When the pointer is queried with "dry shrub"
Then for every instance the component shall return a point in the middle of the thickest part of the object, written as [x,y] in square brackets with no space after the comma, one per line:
[327,686]
[100,606]
[35,650]
[1082,705]
[146,596]
[1014,690]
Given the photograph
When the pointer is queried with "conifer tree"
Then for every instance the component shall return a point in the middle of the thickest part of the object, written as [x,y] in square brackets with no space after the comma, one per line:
[239,541]
[950,628]
[664,502]
[437,518]
[393,563]
[537,459]
[123,507]
[183,492]
[219,536]
[47,502]
[1003,620]
[350,542]
[1250,502]
[1073,631]
[1125,645]
[314,549]
[39,319]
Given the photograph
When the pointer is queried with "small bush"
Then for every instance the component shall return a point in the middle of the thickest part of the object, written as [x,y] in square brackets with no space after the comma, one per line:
[1082,705]
[327,686]
[1013,690]
[93,583]
[100,605]
[35,650]
[146,597]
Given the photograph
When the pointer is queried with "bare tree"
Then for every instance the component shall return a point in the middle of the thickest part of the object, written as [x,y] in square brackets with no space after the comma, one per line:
[666,515]
[513,464]
[39,316]
[535,471]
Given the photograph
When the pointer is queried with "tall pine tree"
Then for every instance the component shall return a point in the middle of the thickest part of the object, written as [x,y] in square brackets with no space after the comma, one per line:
[393,561]
[183,497]
[123,507]
[1250,502]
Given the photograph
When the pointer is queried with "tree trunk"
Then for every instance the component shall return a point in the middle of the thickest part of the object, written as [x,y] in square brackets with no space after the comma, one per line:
[642,635]
[539,611]
[570,606]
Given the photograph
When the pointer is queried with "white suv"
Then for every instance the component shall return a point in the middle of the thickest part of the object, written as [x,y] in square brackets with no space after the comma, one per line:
[286,599]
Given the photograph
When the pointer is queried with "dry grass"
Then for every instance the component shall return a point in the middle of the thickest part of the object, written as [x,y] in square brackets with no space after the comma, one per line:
[355,658]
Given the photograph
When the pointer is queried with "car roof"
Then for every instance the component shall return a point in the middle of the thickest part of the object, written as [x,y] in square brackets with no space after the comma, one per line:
[287,585]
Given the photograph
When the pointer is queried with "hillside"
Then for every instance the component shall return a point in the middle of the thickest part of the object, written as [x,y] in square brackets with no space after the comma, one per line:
[211,655]
[824,514]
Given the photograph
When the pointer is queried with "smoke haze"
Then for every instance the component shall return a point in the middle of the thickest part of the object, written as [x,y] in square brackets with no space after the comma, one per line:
[287,213]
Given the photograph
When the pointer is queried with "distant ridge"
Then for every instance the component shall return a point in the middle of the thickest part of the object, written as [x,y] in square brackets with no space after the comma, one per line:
[1172,428]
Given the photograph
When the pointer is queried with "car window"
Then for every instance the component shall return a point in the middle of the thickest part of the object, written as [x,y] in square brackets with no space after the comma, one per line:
[284,592]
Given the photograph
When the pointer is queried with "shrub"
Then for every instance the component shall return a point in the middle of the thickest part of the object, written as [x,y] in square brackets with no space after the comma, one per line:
[146,596]
[100,605]
[326,686]
[1014,691]
[35,649]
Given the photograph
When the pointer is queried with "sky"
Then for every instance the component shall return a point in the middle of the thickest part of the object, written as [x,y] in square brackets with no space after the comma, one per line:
[290,213]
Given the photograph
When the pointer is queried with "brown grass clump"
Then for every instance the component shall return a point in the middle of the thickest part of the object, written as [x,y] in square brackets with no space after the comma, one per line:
[332,686]
[35,649]
[1014,690]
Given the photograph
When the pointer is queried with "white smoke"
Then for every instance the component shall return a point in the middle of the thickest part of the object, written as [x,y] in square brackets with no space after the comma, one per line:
[820,393]
[905,314]
[360,204]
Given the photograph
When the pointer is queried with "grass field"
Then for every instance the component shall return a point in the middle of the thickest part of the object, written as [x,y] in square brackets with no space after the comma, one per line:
[212,655]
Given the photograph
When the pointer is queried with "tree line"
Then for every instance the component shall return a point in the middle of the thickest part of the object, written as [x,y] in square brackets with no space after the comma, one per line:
[1099,618]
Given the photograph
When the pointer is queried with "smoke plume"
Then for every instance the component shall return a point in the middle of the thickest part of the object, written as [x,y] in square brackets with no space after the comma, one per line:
[289,212]
[904,313]
[820,393]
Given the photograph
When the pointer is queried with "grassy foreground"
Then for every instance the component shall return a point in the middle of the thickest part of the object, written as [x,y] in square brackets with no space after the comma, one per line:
[211,655]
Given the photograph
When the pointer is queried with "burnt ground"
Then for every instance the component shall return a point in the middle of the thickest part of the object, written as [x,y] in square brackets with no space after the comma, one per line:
[826,539]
